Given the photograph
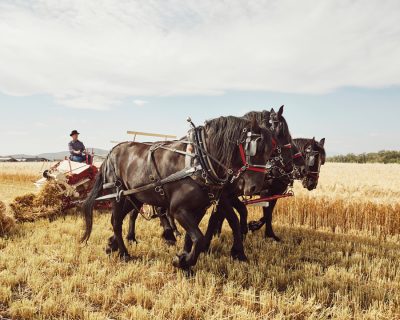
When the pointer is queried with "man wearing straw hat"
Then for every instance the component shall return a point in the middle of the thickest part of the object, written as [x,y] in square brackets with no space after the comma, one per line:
[77,148]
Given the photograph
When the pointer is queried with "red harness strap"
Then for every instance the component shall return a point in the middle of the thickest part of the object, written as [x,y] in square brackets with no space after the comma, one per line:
[274,145]
[267,199]
[288,146]
[297,155]
[246,165]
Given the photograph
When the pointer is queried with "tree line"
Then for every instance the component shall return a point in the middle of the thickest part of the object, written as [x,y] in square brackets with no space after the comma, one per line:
[372,157]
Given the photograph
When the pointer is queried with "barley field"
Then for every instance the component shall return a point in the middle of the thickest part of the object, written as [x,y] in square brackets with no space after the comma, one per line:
[339,259]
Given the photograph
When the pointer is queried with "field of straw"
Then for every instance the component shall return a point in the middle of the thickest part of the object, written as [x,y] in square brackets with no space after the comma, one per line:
[339,259]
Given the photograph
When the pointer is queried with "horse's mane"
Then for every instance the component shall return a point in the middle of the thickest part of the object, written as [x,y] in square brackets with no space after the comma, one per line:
[224,133]
[303,143]
[263,118]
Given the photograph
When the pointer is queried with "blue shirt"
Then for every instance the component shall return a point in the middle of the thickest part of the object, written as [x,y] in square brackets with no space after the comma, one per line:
[76,145]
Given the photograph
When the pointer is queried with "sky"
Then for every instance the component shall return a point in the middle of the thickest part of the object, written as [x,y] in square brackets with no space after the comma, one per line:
[105,67]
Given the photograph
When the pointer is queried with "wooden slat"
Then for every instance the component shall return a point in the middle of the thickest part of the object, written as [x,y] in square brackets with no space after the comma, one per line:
[147,134]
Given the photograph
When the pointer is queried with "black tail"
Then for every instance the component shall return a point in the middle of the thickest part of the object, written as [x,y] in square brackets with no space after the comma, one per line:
[87,208]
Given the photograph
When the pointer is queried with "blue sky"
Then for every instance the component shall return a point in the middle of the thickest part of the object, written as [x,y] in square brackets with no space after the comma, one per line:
[106,67]
[352,120]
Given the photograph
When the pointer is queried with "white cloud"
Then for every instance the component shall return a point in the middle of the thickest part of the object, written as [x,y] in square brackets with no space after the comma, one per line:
[16,133]
[93,54]
[40,124]
[140,103]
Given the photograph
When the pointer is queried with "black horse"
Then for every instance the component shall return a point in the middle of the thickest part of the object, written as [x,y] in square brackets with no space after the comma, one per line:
[283,160]
[158,175]
[282,164]
[314,155]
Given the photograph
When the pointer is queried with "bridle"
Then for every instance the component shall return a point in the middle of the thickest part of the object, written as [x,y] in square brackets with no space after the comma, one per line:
[277,161]
[249,151]
[279,164]
[246,153]
[310,157]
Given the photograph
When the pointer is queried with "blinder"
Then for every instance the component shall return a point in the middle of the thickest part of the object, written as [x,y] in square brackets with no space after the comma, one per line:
[251,144]
[311,156]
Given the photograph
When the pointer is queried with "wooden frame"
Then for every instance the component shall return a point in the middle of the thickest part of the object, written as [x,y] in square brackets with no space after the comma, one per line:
[148,134]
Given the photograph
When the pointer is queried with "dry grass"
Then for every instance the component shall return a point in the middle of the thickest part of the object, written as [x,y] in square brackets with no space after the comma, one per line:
[7,221]
[16,179]
[353,273]
[46,204]
[362,199]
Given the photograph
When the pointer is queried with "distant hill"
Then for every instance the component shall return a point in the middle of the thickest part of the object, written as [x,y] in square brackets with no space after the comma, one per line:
[58,155]
[372,157]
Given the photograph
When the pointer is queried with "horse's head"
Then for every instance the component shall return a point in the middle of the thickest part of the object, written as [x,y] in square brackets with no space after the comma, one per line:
[314,156]
[258,148]
[283,155]
[243,147]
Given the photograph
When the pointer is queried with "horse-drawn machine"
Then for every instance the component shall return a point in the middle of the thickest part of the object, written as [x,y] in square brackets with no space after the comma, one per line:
[73,179]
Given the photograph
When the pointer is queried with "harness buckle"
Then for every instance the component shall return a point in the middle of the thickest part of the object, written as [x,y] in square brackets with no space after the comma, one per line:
[160,190]
[119,195]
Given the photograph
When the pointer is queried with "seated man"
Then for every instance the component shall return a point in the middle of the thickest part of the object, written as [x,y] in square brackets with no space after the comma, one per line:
[77,148]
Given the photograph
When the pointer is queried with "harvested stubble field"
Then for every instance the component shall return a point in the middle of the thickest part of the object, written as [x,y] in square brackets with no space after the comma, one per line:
[339,259]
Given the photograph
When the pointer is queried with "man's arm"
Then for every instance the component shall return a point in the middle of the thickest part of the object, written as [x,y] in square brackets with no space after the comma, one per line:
[71,149]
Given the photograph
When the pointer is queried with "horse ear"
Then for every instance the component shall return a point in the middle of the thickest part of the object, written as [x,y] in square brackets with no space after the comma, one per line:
[254,125]
[322,142]
[280,112]
[313,139]
[272,110]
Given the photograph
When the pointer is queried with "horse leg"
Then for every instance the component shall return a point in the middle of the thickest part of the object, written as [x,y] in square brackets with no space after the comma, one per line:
[243,213]
[112,245]
[257,225]
[127,207]
[218,227]
[237,251]
[269,232]
[173,225]
[190,223]
[131,236]
[188,244]
[118,217]
[214,223]
[168,233]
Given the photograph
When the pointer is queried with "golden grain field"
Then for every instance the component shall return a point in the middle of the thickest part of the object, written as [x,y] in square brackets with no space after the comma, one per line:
[339,259]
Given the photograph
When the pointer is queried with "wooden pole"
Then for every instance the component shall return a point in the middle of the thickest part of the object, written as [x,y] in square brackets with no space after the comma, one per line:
[147,134]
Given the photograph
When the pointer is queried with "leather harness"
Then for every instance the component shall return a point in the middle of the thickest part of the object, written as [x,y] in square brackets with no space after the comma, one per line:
[201,163]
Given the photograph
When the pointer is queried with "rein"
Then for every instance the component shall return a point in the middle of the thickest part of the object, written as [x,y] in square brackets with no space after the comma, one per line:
[204,165]
[268,199]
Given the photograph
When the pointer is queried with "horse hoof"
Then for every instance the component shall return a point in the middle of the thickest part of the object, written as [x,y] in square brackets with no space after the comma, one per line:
[207,249]
[179,261]
[189,273]
[177,233]
[277,239]
[239,256]
[255,225]
[111,247]
[132,240]
[216,234]
[170,243]
[169,237]
[273,237]
[126,257]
